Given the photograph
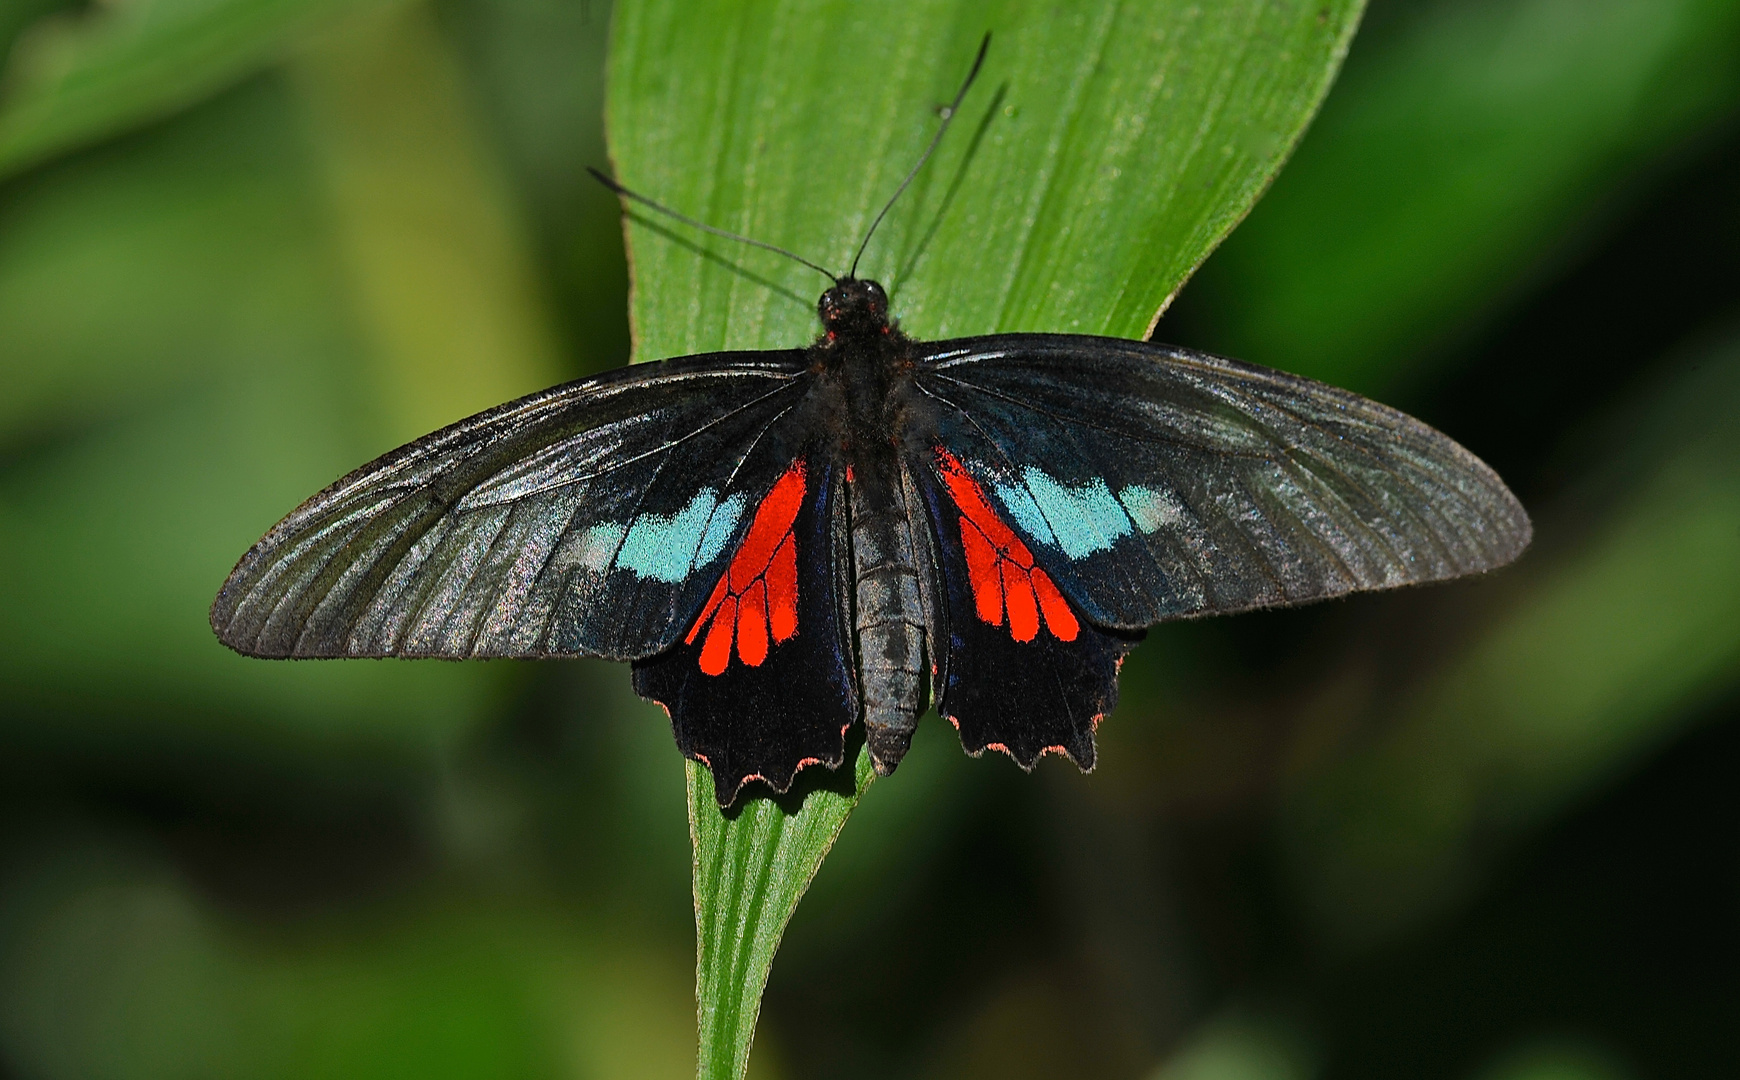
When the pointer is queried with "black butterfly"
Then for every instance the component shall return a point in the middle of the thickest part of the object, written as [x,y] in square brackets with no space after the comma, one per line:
[788,542]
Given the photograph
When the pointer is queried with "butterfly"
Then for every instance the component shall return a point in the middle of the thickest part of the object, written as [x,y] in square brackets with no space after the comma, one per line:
[787,543]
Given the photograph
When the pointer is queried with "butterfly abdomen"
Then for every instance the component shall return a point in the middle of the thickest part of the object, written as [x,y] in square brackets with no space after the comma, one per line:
[889,618]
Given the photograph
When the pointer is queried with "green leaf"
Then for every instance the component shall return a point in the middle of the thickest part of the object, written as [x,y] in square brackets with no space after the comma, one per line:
[73,81]
[751,868]
[1102,155]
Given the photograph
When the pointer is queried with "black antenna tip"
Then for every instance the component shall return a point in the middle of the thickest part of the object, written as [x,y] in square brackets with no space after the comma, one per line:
[606,181]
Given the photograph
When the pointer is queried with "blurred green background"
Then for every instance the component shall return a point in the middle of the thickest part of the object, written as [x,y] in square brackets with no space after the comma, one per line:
[1485,831]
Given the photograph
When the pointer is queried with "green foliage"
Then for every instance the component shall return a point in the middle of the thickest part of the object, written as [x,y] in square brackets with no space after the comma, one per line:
[109,275]
[1100,158]
[77,80]
[1575,671]
[1440,182]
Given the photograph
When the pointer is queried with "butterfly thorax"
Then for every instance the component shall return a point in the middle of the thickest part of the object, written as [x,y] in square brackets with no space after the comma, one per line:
[867,361]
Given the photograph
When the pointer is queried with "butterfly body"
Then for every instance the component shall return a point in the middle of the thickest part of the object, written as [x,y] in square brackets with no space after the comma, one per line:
[865,423]
[871,362]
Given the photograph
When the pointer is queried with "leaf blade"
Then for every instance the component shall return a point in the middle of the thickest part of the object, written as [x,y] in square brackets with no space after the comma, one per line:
[1073,207]
[750,871]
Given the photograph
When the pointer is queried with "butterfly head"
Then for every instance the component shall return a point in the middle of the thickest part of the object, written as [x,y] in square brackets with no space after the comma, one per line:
[853,307]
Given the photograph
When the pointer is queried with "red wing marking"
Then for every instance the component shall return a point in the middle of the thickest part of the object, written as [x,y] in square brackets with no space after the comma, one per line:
[757,594]
[782,591]
[999,566]
[1002,749]
[1023,606]
[752,625]
[1058,617]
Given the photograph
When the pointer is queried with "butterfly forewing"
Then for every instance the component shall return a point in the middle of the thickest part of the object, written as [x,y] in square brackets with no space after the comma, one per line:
[1152,482]
[590,519]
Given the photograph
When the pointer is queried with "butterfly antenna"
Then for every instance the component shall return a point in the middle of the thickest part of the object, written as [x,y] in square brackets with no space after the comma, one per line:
[948,114]
[706,228]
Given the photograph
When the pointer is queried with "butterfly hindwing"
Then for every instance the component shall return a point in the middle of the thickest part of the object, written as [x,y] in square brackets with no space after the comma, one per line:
[761,683]
[589,519]
[1023,672]
[1153,483]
